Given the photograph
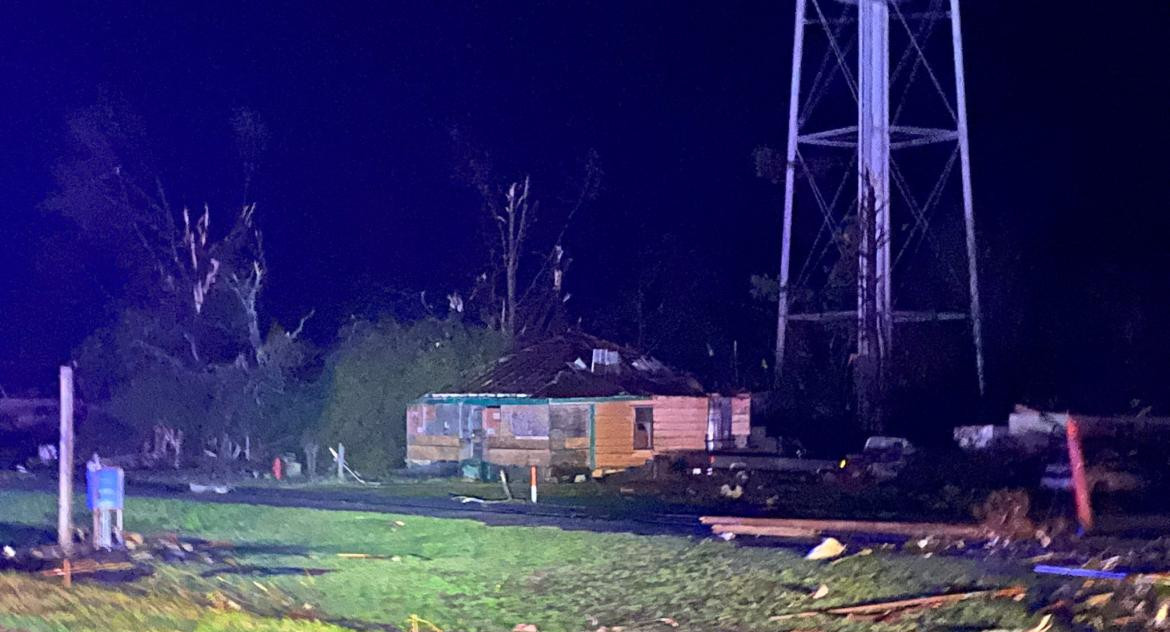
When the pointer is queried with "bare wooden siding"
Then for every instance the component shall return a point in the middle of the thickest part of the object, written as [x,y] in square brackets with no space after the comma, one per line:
[539,458]
[680,423]
[508,448]
[417,416]
[614,429]
[568,434]
[491,421]
[435,440]
[529,420]
[741,419]
[422,454]
[424,448]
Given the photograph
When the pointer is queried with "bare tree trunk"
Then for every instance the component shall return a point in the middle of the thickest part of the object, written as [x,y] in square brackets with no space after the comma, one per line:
[311,459]
[510,309]
[513,228]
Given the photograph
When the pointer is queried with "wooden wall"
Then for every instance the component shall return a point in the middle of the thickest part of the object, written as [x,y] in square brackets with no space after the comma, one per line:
[680,423]
[568,434]
[505,448]
[417,416]
[741,419]
[613,424]
[422,449]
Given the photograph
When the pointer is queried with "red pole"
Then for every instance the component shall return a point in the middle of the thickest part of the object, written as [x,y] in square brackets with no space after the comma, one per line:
[1076,462]
[532,483]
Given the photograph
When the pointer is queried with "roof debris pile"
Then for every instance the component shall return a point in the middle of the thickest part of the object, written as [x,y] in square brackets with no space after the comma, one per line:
[579,365]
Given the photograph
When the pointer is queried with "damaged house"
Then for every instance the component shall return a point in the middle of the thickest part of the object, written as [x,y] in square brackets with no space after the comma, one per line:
[573,402]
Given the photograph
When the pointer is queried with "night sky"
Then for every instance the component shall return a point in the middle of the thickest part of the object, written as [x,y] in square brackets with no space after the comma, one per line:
[1069,113]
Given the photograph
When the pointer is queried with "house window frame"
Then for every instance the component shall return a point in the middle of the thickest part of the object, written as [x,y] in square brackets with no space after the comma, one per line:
[649,427]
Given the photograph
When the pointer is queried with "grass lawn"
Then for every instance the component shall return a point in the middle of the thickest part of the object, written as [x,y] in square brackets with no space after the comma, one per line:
[462,575]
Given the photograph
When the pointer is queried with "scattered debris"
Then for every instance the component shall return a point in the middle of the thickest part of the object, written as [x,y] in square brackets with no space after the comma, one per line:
[367,556]
[734,493]
[1076,571]
[861,553]
[821,592]
[1044,625]
[416,622]
[1098,600]
[1005,514]
[342,465]
[375,556]
[884,608]
[476,499]
[203,489]
[827,549]
[87,566]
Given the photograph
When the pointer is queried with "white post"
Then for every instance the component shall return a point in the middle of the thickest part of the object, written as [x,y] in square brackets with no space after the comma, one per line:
[341,462]
[65,466]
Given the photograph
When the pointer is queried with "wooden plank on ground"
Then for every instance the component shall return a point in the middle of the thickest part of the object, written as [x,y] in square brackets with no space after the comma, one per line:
[909,529]
[775,532]
[927,601]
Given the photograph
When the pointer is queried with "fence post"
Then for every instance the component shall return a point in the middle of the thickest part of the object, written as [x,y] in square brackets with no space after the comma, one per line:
[1076,462]
[65,466]
[341,462]
[532,482]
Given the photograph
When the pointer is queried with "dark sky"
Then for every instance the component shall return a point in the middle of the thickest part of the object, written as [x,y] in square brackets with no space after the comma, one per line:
[1068,107]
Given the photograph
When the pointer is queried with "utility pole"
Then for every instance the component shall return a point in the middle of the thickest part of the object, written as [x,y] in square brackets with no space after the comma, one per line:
[866,174]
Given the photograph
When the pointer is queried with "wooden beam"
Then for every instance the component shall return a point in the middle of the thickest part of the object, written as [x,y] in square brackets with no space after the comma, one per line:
[928,601]
[815,527]
[775,532]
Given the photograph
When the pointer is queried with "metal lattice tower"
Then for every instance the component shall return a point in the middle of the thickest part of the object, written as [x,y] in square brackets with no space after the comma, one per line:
[861,125]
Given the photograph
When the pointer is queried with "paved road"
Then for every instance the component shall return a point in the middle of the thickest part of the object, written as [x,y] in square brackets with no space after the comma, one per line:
[599,519]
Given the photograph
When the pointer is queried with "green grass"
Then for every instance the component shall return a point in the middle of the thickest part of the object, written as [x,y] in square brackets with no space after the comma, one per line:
[463,575]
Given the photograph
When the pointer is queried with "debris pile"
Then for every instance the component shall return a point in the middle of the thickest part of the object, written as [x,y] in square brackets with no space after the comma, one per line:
[132,561]
[890,610]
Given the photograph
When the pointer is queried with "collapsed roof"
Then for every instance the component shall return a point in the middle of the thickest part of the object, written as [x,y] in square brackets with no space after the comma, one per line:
[579,365]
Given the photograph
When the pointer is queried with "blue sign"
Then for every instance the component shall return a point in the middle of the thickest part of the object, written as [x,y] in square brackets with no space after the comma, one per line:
[104,488]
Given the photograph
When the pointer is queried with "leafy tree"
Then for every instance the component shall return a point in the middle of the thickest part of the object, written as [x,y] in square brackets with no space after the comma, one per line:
[380,367]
